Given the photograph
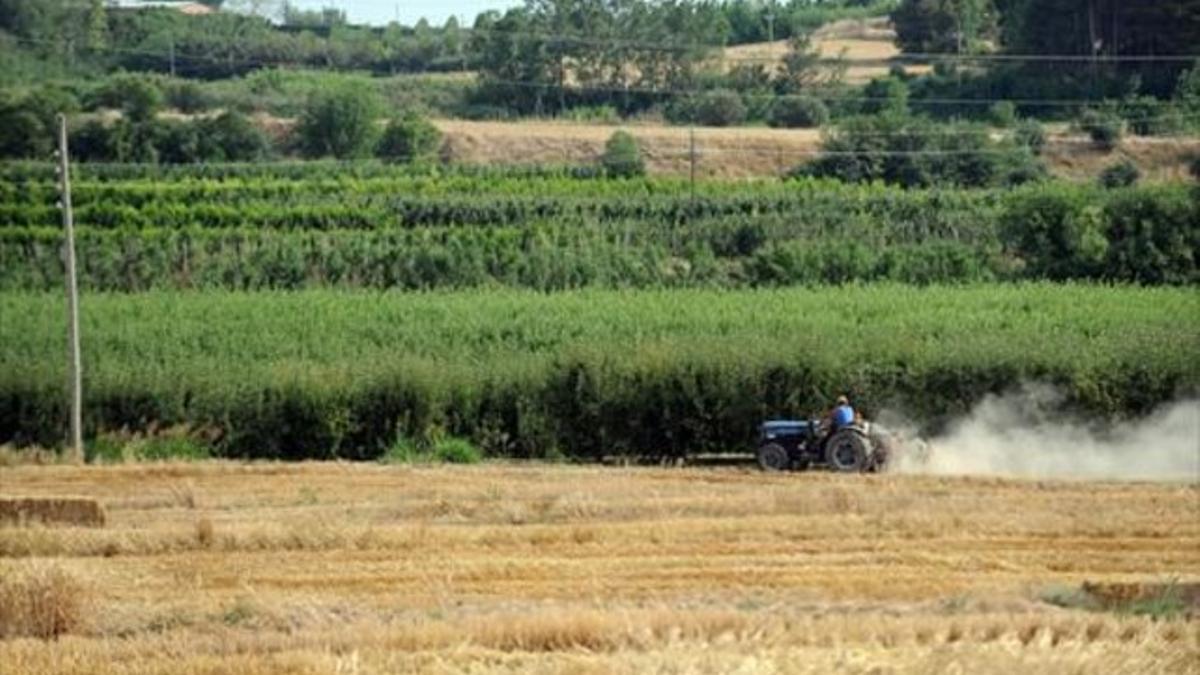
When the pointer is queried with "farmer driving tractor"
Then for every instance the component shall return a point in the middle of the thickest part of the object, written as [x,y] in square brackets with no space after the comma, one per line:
[842,415]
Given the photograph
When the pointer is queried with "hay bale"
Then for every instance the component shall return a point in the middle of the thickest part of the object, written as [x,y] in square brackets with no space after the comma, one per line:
[78,511]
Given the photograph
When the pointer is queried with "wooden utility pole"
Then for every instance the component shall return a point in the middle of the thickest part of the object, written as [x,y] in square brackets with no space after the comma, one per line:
[76,375]
[692,161]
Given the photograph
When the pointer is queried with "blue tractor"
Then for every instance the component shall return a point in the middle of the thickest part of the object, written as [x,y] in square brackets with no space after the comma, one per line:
[785,445]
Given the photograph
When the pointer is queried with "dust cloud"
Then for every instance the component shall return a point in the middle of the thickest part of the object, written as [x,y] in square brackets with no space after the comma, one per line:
[1019,435]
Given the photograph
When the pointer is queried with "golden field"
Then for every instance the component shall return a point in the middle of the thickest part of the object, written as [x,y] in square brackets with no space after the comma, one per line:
[353,568]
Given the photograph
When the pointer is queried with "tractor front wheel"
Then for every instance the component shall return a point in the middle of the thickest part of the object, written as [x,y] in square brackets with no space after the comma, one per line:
[847,452]
[772,457]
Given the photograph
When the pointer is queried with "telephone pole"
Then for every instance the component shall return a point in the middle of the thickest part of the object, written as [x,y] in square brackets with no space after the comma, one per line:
[76,374]
[692,163]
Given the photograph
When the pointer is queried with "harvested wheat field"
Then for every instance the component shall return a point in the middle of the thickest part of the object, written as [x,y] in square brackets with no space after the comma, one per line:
[339,568]
[867,46]
[748,152]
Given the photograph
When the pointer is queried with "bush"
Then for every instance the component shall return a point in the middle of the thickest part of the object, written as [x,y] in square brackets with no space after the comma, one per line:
[1002,114]
[29,126]
[339,122]
[799,112]
[138,97]
[622,157]
[456,451]
[1029,133]
[403,451]
[1122,174]
[720,108]
[916,152]
[1152,237]
[409,138]
[169,448]
[886,95]
[1147,116]
[22,135]
[1057,233]
[1103,127]
[188,97]
[231,137]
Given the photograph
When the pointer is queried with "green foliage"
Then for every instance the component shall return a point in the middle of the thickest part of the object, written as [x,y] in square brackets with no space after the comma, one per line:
[323,374]
[409,138]
[1104,127]
[885,96]
[718,108]
[1147,116]
[228,137]
[231,137]
[1153,238]
[1002,114]
[340,123]
[1030,134]
[1121,174]
[1187,92]
[169,448]
[456,451]
[916,152]
[1056,234]
[403,450]
[137,96]
[29,124]
[799,112]
[622,157]
[933,26]
[188,97]
[375,225]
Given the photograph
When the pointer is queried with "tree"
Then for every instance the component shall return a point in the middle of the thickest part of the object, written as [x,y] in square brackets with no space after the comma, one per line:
[943,26]
[801,66]
[339,122]
[409,138]
[97,26]
[885,96]
[622,156]
[1101,28]
[136,96]
[231,137]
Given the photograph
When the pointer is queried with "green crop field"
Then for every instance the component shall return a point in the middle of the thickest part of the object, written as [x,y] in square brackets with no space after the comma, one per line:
[585,374]
[266,310]
[293,226]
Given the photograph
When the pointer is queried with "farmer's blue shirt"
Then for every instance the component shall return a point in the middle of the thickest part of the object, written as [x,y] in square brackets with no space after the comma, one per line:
[843,416]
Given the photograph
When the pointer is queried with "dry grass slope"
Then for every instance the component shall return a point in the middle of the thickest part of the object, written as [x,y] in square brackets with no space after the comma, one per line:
[321,568]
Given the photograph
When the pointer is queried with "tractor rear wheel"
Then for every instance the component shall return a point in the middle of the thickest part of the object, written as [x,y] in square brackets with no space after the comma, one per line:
[847,451]
[772,457]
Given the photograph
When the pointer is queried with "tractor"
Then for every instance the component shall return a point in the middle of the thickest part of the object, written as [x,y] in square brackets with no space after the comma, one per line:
[799,444]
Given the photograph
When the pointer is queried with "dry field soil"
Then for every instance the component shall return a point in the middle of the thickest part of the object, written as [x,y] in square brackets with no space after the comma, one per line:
[337,568]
